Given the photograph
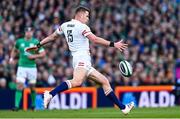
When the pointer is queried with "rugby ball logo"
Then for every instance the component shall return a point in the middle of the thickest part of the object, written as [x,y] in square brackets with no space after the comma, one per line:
[125,68]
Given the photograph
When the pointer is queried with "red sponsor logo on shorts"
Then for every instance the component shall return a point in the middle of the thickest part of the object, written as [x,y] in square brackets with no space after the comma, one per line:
[81,64]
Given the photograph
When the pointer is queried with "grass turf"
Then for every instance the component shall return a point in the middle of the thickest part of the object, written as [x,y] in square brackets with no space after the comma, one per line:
[170,112]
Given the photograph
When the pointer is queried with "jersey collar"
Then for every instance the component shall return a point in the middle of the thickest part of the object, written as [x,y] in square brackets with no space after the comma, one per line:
[75,20]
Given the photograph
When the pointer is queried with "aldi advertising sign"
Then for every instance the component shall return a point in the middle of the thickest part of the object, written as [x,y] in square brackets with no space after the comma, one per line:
[147,96]
[91,97]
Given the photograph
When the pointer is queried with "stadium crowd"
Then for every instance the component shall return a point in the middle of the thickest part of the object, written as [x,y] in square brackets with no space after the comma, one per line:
[150,27]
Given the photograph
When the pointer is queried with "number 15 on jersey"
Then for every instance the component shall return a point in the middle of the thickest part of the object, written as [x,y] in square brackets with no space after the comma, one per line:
[69,35]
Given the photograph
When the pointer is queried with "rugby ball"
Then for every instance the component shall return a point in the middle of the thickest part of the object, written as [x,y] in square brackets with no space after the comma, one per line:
[125,68]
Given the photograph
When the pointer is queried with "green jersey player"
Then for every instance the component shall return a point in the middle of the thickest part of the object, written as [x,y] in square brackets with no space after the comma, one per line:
[26,65]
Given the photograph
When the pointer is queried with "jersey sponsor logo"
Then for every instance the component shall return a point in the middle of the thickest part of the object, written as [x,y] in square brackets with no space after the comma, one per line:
[22,45]
[70,25]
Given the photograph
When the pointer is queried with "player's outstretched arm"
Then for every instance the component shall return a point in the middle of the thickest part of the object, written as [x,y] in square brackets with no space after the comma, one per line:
[98,40]
[50,38]
[39,55]
[46,40]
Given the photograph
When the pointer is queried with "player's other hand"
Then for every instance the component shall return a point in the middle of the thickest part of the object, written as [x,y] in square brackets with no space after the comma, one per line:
[120,45]
[32,57]
[33,48]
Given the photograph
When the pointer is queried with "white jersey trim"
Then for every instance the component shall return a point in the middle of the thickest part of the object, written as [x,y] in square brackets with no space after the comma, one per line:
[59,31]
[86,33]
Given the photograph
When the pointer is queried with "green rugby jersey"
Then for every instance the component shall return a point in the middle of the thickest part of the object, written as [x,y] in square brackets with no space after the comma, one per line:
[21,45]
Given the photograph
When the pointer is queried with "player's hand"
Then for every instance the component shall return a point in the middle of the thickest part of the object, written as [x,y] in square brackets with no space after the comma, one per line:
[32,57]
[120,45]
[33,48]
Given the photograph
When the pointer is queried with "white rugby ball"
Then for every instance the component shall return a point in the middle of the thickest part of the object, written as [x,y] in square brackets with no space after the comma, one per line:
[125,68]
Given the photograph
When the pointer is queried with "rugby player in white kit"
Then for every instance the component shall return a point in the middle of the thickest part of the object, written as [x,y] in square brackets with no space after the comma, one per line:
[77,35]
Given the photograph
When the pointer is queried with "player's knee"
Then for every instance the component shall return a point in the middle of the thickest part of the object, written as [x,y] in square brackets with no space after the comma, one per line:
[106,85]
[78,84]
[107,82]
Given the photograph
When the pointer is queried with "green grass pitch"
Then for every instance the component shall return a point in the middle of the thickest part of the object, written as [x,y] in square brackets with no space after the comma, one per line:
[170,112]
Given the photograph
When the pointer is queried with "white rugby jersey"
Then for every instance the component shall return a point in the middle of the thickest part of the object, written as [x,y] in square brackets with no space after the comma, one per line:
[75,33]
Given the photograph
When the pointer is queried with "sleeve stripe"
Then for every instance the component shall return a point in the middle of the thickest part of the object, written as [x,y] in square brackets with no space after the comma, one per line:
[85,32]
[59,31]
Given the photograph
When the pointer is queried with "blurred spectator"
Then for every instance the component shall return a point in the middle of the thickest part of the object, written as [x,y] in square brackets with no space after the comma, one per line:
[2,83]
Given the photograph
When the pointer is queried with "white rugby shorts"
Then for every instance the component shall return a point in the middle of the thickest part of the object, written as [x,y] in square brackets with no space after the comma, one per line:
[82,59]
[24,73]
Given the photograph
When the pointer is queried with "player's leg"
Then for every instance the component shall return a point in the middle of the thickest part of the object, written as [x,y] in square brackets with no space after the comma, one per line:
[81,62]
[33,96]
[98,77]
[18,95]
[32,77]
[78,77]
[20,80]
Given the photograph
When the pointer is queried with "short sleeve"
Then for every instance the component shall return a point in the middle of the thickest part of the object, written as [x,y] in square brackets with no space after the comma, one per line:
[59,30]
[86,31]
